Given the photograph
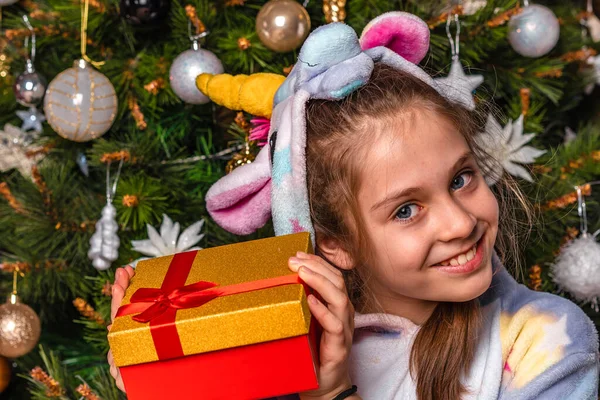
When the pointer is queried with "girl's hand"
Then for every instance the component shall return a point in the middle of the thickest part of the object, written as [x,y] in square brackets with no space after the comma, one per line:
[336,316]
[122,277]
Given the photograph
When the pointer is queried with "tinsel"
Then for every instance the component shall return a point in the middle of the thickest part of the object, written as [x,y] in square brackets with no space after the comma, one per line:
[136,112]
[87,393]
[107,289]
[578,55]
[53,388]
[443,17]
[116,156]
[244,44]
[190,12]
[10,198]
[525,94]
[130,200]
[242,122]
[45,192]
[567,199]
[535,278]
[154,86]
[15,266]
[88,311]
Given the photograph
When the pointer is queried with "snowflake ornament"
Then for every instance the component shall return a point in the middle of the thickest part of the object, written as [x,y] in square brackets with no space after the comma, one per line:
[507,146]
[14,149]
[168,241]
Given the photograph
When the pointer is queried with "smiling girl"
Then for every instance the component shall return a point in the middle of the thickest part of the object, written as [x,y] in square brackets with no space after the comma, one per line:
[381,165]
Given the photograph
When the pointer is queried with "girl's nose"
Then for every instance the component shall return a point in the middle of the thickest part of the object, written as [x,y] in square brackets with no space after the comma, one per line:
[455,221]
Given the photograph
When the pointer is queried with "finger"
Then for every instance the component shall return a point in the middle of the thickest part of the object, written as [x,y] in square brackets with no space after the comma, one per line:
[336,299]
[130,271]
[110,358]
[120,384]
[122,277]
[117,296]
[114,372]
[306,256]
[333,327]
[320,267]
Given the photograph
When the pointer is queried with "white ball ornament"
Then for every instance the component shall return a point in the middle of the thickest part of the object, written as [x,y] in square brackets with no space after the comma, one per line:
[80,103]
[534,31]
[577,269]
[186,67]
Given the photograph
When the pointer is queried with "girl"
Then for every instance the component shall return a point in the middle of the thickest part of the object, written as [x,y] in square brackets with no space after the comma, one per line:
[381,165]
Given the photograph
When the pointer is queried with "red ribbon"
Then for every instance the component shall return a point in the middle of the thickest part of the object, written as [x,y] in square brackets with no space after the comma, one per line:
[159,306]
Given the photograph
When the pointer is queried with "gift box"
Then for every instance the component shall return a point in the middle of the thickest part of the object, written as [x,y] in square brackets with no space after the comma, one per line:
[228,322]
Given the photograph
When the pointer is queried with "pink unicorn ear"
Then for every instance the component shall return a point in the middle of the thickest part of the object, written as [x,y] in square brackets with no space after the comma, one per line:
[241,201]
[401,32]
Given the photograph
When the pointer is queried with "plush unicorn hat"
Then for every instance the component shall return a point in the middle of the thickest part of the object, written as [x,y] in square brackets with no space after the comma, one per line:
[332,63]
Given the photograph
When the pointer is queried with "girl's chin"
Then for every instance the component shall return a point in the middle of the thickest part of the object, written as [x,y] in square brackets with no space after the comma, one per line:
[467,289]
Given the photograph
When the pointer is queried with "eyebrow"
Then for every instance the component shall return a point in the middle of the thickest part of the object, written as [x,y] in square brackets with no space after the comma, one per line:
[412,190]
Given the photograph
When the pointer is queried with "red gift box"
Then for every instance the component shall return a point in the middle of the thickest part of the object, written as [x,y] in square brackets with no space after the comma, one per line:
[230,322]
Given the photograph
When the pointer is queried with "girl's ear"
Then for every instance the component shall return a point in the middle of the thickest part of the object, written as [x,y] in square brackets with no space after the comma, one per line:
[332,250]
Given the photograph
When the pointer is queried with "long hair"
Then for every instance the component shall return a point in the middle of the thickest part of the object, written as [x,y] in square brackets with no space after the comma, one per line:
[337,136]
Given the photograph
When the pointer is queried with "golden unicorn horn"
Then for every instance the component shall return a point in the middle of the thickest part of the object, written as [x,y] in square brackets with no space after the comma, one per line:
[251,93]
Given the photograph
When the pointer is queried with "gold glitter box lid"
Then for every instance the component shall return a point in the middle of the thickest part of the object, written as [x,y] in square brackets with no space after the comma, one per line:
[225,322]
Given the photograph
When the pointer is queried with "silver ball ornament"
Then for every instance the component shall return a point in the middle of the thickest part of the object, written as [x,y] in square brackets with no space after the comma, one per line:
[534,31]
[186,67]
[7,2]
[30,87]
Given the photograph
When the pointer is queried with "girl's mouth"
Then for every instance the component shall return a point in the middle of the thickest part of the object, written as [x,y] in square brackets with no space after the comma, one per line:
[463,263]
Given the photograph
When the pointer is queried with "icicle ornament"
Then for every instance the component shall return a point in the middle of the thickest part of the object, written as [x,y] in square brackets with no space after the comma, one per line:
[104,243]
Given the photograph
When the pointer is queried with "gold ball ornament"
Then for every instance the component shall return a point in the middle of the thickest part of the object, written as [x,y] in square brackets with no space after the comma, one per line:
[80,103]
[282,25]
[5,373]
[20,328]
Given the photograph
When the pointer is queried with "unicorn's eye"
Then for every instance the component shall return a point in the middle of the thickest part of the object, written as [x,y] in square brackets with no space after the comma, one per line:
[272,141]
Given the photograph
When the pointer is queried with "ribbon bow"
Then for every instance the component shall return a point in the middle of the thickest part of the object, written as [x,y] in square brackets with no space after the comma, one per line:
[150,303]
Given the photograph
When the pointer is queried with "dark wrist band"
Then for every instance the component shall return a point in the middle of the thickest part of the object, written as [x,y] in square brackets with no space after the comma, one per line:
[346,393]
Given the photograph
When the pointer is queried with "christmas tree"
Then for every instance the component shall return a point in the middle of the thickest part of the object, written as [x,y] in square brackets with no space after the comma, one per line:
[83,192]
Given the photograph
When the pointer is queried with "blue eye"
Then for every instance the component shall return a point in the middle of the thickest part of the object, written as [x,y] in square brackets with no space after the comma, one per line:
[461,180]
[408,211]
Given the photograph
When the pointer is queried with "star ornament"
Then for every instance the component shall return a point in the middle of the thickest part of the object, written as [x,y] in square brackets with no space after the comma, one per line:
[458,86]
[507,147]
[32,119]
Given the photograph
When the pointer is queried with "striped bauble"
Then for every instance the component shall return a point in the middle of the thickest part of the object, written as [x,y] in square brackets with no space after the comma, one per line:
[80,103]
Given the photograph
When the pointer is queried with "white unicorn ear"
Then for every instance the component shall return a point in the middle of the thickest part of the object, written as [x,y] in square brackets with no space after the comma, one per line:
[403,33]
[241,201]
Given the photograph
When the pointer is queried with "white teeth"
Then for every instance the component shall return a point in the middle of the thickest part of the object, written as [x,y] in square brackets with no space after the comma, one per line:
[462,258]
[470,255]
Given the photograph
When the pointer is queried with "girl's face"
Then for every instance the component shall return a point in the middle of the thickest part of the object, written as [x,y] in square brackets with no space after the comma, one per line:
[430,217]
